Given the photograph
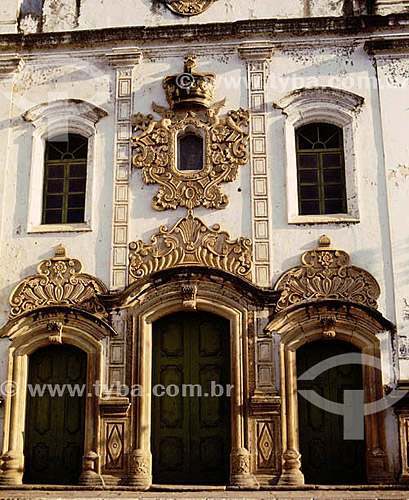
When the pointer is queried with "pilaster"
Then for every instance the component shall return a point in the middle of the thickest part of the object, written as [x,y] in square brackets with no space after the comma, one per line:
[257,57]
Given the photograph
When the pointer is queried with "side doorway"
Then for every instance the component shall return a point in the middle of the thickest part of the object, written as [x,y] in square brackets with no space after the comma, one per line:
[55,419]
[191,434]
[326,457]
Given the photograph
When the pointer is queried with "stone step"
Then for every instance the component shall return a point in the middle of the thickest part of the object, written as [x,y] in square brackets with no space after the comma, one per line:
[44,492]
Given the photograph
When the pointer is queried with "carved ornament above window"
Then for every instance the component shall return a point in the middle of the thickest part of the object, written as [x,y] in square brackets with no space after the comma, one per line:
[155,143]
[326,273]
[59,282]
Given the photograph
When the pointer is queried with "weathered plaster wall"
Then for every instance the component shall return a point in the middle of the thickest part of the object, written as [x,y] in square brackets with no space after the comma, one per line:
[394,98]
[9,10]
[66,77]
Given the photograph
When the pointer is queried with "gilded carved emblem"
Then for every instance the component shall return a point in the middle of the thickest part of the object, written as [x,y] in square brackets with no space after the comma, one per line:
[155,143]
[190,243]
[188,7]
[326,273]
[59,282]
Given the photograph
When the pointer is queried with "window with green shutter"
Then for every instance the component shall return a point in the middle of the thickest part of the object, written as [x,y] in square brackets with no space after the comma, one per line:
[65,178]
[320,170]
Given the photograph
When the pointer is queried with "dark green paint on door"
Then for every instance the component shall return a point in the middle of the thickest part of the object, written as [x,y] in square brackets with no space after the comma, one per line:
[54,441]
[325,456]
[191,434]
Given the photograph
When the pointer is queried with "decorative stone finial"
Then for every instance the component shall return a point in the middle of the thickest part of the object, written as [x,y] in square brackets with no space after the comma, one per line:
[324,242]
[61,251]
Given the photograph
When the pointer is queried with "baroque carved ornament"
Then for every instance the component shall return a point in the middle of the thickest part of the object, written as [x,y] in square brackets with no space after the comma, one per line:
[190,242]
[225,141]
[188,7]
[326,273]
[59,282]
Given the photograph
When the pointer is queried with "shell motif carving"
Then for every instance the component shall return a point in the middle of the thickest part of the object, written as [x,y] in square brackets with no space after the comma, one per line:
[191,242]
[59,282]
[326,273]
[188,7]
[225,150]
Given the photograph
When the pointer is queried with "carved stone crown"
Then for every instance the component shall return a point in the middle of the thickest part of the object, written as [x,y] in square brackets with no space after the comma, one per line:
[326,273]
[59,282]
[191,243]
[189,89]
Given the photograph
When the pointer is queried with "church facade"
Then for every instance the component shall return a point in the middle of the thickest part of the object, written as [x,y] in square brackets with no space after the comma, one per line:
[201,204]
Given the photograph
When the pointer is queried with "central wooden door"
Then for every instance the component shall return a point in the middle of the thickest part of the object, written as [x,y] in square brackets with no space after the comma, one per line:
[326,457]
[54,441]
[191,434]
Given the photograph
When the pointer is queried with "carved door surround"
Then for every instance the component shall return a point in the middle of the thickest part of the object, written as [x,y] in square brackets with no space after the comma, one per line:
[326,298]
[59,305]
[209,294]
[354,324]
[27,335]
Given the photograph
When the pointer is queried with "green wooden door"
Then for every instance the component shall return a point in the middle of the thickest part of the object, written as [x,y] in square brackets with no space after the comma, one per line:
[54,441]
[191,434]
[325,456]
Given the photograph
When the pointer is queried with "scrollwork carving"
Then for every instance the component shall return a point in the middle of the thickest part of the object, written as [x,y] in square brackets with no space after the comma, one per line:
[59,282]
[326,273]
[155,144]
[191,242]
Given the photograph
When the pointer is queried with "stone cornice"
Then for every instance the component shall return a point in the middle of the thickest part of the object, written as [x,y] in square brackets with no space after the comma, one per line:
[277,29]
[10,63]
[393,47]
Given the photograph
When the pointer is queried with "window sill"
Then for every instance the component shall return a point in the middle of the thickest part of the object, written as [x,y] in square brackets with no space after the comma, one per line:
[60,228]
[324,219]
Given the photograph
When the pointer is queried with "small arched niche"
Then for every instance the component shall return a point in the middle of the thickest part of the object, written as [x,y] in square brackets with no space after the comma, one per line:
[190,150]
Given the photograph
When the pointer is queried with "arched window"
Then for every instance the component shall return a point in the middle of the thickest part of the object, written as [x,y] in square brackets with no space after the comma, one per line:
[65,176]
[320,169]
[190,151]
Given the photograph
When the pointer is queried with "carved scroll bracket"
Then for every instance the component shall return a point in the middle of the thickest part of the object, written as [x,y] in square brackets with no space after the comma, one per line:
[326,273]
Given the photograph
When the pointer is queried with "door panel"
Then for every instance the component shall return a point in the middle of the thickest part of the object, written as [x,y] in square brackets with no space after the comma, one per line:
[54,442]
[191,434]
[325,456]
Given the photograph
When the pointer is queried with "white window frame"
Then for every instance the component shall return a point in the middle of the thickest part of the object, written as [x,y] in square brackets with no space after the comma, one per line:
[325,105]
[64,116]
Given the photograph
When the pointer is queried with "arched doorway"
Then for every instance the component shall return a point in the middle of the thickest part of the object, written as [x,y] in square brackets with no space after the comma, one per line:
[54,437]
[326,457]
[191,433]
